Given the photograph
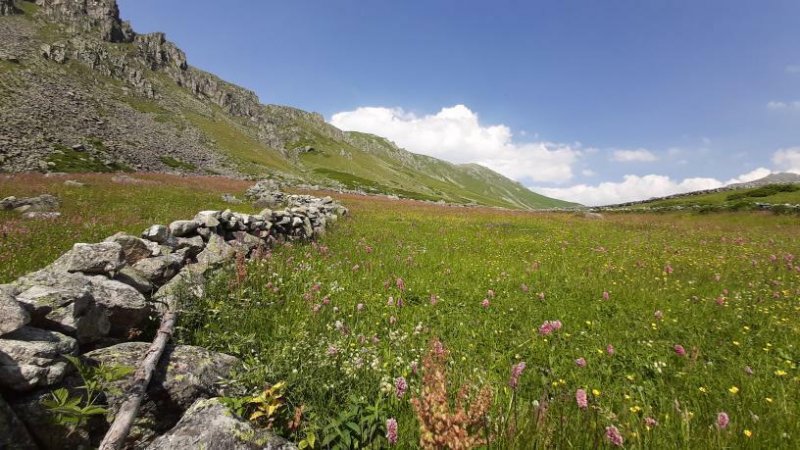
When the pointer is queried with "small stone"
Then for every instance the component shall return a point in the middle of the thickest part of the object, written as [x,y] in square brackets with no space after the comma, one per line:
[157,233]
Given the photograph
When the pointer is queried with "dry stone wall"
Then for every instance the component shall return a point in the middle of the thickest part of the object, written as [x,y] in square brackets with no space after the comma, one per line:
[98,297]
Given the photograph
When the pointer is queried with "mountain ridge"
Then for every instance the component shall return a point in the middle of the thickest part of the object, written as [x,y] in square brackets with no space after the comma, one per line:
[84,91]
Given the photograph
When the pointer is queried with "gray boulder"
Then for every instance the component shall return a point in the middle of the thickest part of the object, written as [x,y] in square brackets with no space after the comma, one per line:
[100,258]
[160,269]
[208,219]
[12,315]
[184,375]
[133,248]
[127,309]
[32,357]
[135,279]
[13,435]
[193,245]
[208,424]
[216,253]
[70,310]
[183,228]
[157,233]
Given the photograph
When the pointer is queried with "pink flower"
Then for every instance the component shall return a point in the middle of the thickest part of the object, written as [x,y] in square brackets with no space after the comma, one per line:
[400,284]
[438,348]
[679,350]
[613,435]
[548,326]
[332,350]
[400,387]
[668,269]
[434,299]
[485,303]
[606,295]
[326,300]
[516,372]
[722,420]
[581,399]
[610,350]
[650,422]
[391,431]
[360,307]
[580,362]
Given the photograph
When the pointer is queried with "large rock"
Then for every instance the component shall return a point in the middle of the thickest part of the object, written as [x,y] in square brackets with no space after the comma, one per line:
[99,258]
[208,219]
[70,310]
[13,435]
[134,248]
[157,233]
[6,9]
[216,253]
[184,375]
[208,424]
[32,357]
[183,228]
[160,269]
[12,315]
[128,310]
[135,279]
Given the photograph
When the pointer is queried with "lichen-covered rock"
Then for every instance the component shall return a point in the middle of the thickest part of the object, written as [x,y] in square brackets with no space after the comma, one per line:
[128,310]
[135,279]
[208,219]
[184,375]
[193,246]
[6,9]
[160,269]
[210,425]
[134,248]
[216,253]
[12,315]
[99,258]
[13,435]
[86,15]
[183,228]
[70,310]
[157,233]
[32,357]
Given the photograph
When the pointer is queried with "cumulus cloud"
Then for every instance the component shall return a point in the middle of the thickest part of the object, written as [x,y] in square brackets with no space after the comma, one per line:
[455,134]
[638,155]
[787,159]
[635,187]
[776,105]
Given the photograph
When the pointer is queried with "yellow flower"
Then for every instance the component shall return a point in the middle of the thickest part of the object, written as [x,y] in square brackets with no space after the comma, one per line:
[768,399]
[733,390]
[635,409]
[748,433]
[780,373]
[596,392]
[630,377]
[703,389]
[736,343]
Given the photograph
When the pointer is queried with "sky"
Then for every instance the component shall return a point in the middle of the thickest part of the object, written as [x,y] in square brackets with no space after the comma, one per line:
[591,101]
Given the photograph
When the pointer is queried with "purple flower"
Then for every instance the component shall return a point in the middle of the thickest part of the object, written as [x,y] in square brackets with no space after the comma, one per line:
[613,435]
[606,295]
[581,399]
[610,350]
[679,350]
[650,422]
[400,386]
[722,420]
[580,362]
[391,431]
[516,372]
[485,303]
[548,326]
[401,284]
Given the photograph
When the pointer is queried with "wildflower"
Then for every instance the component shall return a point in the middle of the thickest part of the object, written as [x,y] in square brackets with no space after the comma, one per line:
[391,431]
[434,299]
[400,387]
[722,420]
[516,372]
[541,295]
[326,300]
[401,285]
[780,373]
[332,350]
[438,348]
[524,287]
[658,315]
[392,320]
[580,362]
[610,350]
[733,390]
[606,295]
[748,433]
[390,302]
[485,303]
[748,370]
[490,293]
[650,422]
[613,435]
[668,269]
[679,350]
[596,392]
[414,367]
[360,307]
[581,399]
[548,326]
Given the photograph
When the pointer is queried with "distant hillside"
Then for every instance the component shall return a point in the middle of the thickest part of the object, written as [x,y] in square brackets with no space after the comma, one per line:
[773,178]
[81,91]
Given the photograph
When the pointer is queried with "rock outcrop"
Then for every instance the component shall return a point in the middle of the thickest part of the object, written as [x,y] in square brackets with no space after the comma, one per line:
[7,8]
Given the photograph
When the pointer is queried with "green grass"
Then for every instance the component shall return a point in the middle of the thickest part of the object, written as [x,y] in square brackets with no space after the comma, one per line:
[727,285]
[775,194]
[177,164]
[73,161]
[97,210]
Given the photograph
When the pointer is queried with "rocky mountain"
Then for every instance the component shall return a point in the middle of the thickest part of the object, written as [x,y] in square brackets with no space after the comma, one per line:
[773,178]
[80,90]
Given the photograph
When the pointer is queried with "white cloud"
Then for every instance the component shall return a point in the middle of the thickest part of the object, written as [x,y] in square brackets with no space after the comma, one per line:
[787,159]
[588,172]
[455,134]
[776,105]
[638,155]
[635,187]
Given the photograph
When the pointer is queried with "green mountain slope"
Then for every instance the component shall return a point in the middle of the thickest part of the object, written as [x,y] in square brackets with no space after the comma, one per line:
[81,91]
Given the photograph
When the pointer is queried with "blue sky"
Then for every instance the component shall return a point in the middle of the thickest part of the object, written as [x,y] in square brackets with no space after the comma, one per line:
[594,101]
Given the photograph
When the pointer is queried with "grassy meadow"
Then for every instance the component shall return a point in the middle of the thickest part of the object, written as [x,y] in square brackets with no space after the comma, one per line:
[638,330]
